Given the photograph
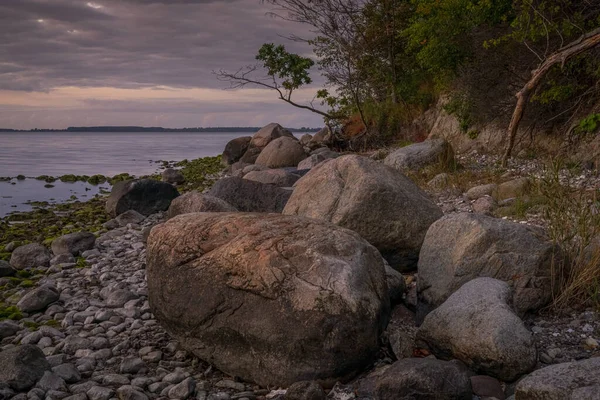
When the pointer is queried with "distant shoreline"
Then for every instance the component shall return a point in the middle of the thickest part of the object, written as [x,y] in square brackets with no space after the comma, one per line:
[133,129]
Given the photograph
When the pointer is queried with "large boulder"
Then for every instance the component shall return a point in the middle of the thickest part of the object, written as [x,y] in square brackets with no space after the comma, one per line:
[463,246]
[73,243]
[38,299]
[29,256]
[22,366]
[376,201]
[277,177]
[418,378]
[282,152]
[562,382]
[145,196]
[250,196]
[267,134]
[512,189]
[270,298]
[198,202]
[477,326]
[420,155]
[235,149]
[315,159]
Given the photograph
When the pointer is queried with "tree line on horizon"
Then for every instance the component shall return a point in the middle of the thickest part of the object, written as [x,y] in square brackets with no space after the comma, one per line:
[131,129]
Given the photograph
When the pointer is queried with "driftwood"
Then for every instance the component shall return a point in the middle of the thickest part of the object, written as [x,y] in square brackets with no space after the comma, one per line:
[584,43]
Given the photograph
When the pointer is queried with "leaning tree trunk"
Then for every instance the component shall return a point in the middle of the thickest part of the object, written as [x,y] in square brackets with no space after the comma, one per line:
[585,42]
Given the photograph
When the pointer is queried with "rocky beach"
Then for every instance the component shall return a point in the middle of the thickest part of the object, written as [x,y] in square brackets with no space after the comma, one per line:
[287,270]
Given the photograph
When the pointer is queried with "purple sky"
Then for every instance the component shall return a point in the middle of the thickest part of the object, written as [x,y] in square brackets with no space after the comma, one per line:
[137,62]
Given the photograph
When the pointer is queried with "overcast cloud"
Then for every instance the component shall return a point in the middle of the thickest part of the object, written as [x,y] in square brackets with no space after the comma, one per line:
[136,62]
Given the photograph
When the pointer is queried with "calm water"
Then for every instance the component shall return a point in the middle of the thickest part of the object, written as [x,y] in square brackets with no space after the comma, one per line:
[87,153]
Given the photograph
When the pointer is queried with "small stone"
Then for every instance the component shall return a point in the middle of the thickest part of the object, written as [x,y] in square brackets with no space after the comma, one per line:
[157,387]
[219,396]
[229,384]
[174,377]
[590,344]
[486,386]
[305,390]
[80,396]
[115,380]
[51,381]
[100,393]
[130,393]
[132,365]
[68,372]
[38,299]
[8,328]
[183,390]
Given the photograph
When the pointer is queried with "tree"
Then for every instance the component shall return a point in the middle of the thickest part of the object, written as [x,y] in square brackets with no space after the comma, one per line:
[584,43]
[285,73]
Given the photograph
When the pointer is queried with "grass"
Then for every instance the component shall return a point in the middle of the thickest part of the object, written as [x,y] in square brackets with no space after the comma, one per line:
[10,312]
[573,217]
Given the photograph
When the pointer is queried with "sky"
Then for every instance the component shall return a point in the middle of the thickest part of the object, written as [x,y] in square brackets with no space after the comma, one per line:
[139,62]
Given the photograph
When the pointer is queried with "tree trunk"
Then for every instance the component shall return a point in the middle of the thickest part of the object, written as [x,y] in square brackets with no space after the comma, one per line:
[585,42]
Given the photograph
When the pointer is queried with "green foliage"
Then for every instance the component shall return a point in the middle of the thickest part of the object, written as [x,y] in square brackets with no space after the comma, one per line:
[460,106]
[292,68]
[81,262]
[96,179]
[589,124]
[200,173]
[10,312]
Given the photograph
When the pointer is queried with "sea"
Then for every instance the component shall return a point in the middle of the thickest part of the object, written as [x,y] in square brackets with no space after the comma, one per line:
[32,154]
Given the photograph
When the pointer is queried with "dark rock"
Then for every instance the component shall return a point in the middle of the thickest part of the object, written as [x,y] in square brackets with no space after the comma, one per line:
[235,149]
[68,372]
[249,196]
[8,328]
[305,390]
[73,243]
[6,269]
[30,256]
[22,366]
[418,378]
[129,217]
[172,176]
[486,386]
[259,295]
[145,196]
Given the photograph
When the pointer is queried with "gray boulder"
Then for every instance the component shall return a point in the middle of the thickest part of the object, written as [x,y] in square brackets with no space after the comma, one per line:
[305,139]
[253,294]
[418,378]
[235,149]
[420,155]
[250,156]
[73,243]
[22,366]
[267,134]
[320,138]
[463,246]
[250,196]
[277,177]
[172,176]
[145,196]
[130,217]
[477,326]
[282,152]
[566,381]
[376,201]
[6,269]
[38,299]
[8,328]
[30,256]
[198,202]
[313,160]
[479,191]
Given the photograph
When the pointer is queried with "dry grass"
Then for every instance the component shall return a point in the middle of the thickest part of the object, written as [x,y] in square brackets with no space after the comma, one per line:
[573,220]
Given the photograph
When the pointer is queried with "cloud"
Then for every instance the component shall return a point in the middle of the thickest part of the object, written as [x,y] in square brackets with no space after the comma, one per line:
[143,47]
